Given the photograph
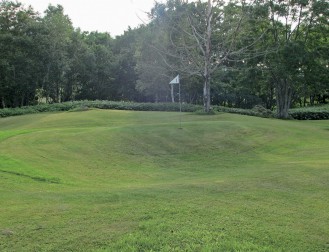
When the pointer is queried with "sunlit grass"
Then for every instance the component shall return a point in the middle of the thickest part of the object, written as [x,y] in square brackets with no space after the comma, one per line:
[134,181]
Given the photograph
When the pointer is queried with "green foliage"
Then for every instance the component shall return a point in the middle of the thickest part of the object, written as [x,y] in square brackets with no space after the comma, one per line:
[263,60]
[202,112]
[310,113]
[19,63]
[85,105]
[256,111]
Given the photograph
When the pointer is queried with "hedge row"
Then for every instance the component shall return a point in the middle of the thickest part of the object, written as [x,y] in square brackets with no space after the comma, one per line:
[83,105]
[311,113]
[143,106]
[258,111]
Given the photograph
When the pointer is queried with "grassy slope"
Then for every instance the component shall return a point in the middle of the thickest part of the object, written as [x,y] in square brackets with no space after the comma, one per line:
[133,181]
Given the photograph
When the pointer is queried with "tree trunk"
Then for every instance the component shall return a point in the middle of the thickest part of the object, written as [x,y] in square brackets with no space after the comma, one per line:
[207,65]
[3,102]
[206,94]
[22,101]
[283,98]
[312,98]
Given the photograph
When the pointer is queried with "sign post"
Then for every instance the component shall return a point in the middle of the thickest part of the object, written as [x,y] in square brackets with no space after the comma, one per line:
[173,82]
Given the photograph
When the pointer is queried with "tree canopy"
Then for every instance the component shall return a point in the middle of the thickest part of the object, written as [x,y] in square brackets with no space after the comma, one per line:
[230,53]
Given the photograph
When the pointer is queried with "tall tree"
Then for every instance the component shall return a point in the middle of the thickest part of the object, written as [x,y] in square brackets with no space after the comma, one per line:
[125,74]
[290,25]
[315,70]
[94,67]
[57,37]
[153,73]
[18,54]
[203,36]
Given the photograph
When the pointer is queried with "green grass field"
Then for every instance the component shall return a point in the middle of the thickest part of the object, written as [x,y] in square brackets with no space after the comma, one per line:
[102,180]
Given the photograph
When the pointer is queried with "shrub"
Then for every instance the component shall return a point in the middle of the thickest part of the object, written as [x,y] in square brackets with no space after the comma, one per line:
[258,111]
[85,105]
[310,113]
[202,112]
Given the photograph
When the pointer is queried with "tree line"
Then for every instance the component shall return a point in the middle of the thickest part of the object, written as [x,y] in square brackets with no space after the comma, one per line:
[238,54]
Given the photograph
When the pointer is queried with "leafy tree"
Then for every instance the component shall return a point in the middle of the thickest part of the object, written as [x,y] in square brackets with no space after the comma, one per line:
[153,73]
[57,35]
[81,61]
[18,54]
[102,78]
[270,52]
[125,50]
[290,23]
[203,36]
[93,66]
[315,70]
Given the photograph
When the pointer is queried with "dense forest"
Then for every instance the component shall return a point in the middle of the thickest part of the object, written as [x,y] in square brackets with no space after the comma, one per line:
[272,53]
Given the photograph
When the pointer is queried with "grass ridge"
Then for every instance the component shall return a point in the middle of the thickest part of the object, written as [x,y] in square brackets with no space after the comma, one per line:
[223,182]
[36,178]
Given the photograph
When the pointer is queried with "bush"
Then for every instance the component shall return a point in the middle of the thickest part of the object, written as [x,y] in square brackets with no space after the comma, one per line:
[258,111]
[85,105]
[202,112]
[310,113]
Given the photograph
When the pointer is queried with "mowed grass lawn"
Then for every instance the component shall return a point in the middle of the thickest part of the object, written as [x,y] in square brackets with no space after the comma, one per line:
[102,180]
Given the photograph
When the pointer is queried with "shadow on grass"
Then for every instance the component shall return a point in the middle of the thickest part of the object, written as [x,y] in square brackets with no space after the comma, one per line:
[36,178]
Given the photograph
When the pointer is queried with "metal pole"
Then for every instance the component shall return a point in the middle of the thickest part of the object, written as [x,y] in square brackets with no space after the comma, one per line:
[180,107]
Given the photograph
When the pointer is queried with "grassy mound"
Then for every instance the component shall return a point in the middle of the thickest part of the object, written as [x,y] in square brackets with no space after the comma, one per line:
[104,180]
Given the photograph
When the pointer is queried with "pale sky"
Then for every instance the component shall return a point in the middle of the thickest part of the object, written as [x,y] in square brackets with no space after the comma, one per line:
[113,16]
